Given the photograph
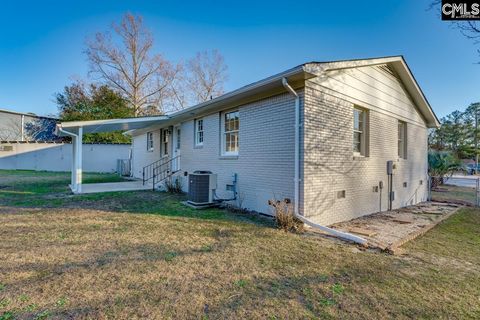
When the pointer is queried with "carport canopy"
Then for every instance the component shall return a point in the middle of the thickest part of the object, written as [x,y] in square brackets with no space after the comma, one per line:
[96,126]
[76,130]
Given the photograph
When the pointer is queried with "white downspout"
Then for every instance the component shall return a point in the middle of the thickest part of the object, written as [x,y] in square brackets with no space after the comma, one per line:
[333,232]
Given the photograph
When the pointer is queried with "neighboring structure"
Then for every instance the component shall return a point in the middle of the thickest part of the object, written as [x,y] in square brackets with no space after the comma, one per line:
[18,126]
[52,156]
[321,134]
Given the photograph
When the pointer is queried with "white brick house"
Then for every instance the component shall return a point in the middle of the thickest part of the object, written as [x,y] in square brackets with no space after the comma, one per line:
[319,134]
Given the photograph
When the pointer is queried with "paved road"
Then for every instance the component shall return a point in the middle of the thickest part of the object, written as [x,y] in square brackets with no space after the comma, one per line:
[467,181]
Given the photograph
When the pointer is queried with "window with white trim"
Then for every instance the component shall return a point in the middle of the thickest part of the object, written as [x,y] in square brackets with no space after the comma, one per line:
[402,140]
[199,132]
[359,132]
[178,138]
[230,131]
[165,139]
[149,141]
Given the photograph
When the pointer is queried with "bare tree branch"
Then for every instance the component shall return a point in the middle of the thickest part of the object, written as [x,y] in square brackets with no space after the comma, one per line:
[126,63]
[202,79]
[470,29]
[151,84]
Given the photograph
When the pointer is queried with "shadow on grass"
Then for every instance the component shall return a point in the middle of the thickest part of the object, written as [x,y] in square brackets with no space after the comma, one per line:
[30,189]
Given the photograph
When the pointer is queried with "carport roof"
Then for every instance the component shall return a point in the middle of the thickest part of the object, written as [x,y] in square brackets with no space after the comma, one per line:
[95,126]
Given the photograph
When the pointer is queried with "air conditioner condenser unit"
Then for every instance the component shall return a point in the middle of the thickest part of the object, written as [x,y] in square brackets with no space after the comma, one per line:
[201,188]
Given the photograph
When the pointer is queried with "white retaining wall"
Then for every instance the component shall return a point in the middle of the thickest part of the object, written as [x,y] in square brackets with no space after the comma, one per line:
[58,156]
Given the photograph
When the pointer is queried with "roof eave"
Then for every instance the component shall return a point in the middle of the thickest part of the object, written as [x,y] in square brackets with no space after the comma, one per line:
[252,92]
[95,126]
[418,95]
[403,70]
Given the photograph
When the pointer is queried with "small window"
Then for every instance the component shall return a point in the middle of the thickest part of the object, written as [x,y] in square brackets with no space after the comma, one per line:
[359,132]
[178,138]
[149,141]
[230,130]
[402,140]
[165,138]
[199,132]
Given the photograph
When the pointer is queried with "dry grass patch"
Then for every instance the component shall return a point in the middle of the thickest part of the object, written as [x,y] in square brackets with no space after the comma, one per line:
[284,216]
[96,264]
[143,255]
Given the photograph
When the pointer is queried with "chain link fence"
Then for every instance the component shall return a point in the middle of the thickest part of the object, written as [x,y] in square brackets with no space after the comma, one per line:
[458,189]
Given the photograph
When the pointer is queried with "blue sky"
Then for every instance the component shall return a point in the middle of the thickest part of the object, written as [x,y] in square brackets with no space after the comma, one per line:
[42,42]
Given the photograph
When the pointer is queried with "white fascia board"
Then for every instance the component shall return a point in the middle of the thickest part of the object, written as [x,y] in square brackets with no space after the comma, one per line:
[108,125]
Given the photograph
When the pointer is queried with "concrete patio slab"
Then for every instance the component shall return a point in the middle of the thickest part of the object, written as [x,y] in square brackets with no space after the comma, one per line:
[391,229]
[115,186]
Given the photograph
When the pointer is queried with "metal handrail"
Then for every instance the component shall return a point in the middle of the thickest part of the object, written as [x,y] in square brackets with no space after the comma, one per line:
[147,173]
[160,170]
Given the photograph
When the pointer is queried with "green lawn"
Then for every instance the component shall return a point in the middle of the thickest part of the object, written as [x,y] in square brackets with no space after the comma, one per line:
[143,255]
[446,192]
[50,190]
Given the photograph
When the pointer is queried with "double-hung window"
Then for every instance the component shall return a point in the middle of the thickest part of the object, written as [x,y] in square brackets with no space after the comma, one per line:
[199,132]
[149,141]
[360,132]
[230,133]
[165,139]
[179,142]
[402,140]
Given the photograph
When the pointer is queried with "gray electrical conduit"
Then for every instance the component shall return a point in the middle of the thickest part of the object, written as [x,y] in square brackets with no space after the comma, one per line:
[330,231]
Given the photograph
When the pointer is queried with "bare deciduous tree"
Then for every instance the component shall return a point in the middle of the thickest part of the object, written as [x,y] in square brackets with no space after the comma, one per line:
[126,63]
[469,28]
[206,75]
[200,80]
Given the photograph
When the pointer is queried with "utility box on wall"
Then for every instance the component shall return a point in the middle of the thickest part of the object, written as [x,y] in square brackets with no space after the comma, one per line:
[390,167]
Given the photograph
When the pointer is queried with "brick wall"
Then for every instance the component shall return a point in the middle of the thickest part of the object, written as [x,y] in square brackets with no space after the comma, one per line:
[265,165]
[140,156]
[329,164]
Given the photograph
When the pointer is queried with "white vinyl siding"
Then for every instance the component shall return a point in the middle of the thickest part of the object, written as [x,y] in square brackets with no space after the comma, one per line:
[149,141]
[199,133]
[372,88]
[230,131]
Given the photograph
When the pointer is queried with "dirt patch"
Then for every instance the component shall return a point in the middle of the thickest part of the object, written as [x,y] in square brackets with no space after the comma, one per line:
[389,230]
